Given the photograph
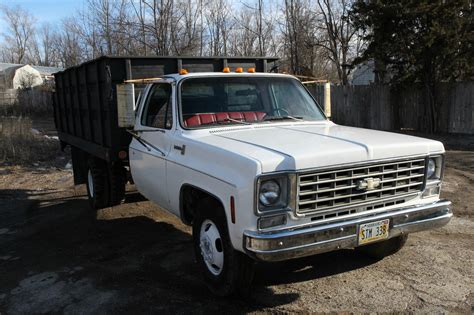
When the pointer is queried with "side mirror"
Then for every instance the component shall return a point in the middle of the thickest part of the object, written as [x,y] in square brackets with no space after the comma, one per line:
[126,105]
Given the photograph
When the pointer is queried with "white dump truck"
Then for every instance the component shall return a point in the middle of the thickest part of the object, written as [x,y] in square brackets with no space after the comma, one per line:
[247,157]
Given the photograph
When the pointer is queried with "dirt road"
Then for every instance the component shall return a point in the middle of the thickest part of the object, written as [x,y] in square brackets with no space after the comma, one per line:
[56,256]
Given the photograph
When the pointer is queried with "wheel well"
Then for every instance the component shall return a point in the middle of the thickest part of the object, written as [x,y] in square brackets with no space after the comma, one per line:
[190,198]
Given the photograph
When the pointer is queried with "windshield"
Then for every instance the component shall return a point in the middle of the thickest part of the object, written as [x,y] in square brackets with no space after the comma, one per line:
[245,100]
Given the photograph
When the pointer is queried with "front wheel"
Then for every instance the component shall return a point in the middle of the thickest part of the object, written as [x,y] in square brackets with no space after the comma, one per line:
[225,270]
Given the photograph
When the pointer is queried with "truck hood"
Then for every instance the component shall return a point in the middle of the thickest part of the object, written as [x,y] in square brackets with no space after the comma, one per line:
[300,146]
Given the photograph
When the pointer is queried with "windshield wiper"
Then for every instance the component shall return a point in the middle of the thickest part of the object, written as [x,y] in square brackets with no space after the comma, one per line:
[237,121]
[224,122]
[273,118]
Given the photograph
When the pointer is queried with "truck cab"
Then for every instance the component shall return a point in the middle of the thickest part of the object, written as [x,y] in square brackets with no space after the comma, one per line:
[252,163]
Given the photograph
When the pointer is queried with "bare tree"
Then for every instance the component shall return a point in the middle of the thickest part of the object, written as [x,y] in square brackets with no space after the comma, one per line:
[319,42]
[103,28]
[140,25]
[20,32]
[253,31]
[69,45]
[43,46]
[160,13]
[299,37]
[187,31]
[340,35]
[219,24]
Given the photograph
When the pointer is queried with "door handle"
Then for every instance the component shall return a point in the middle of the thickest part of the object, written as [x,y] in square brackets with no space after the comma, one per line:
[182,148]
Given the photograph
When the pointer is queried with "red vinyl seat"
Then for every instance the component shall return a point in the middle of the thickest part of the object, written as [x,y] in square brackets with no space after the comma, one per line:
[200,119]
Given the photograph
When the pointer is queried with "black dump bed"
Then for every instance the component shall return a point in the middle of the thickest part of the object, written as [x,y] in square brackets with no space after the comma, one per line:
[85,101]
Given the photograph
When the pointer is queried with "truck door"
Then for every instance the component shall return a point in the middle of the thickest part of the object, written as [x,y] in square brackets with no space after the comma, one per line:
[150,149]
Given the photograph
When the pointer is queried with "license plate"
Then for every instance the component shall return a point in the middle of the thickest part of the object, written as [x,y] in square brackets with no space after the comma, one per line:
[373,231]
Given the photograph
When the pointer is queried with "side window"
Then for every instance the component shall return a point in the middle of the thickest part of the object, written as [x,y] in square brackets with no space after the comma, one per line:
[157,112]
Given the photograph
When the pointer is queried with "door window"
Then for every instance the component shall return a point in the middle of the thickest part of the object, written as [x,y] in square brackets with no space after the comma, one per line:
[157,112]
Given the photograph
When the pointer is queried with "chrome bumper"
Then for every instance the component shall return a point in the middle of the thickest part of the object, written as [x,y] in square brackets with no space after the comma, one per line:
[292,243]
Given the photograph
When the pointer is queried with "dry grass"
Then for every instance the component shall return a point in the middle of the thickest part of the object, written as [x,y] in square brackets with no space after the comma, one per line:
[19,145]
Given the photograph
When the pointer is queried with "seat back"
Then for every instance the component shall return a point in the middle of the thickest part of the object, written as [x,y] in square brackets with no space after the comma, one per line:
[193,120]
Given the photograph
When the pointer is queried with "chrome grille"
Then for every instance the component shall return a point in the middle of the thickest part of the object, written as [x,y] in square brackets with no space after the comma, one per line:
[326,190]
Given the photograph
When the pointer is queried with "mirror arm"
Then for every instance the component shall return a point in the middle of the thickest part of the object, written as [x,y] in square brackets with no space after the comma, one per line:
[144,143]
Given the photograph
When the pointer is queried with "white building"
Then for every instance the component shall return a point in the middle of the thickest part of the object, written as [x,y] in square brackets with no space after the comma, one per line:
[17,76]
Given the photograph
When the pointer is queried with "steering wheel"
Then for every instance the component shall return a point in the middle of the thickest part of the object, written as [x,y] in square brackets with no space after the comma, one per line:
[278,110]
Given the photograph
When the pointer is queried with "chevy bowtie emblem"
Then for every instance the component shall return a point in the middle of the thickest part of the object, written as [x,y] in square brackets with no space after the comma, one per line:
[367,183]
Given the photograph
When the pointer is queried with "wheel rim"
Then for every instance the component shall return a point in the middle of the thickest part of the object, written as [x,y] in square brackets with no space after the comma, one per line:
[90,183]
[212,250]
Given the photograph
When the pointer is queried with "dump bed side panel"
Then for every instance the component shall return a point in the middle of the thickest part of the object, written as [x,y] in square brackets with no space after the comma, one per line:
[85,112]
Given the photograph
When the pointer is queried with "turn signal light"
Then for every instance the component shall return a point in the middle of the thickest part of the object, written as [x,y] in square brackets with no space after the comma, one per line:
[251,70]
[183,71]
[239,70]
[226,70]
[268,222]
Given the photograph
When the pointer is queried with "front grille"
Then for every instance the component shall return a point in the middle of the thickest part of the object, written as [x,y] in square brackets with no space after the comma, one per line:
[323,191]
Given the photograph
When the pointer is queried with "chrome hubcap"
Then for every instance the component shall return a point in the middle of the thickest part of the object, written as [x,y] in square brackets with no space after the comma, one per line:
[211,247]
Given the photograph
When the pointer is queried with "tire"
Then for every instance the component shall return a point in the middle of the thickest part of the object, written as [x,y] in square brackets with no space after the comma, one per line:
[97,184]
[383,249]
[117,179]
[225,270]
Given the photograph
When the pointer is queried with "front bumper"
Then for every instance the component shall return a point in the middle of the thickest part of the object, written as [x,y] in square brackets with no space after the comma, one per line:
[293,243]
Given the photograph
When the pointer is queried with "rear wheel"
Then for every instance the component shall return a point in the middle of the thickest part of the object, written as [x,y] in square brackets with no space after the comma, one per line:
[383,249]
[97,183]
[225,270]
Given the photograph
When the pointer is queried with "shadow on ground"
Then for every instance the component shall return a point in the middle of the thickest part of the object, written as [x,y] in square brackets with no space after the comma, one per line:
[56,257]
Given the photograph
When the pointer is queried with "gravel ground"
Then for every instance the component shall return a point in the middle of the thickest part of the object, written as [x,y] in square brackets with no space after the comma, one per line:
[57,256]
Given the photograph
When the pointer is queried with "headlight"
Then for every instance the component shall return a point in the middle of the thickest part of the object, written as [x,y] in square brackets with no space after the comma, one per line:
[434,174]
[273,192]
[431,169]
[434,168]
[270,193]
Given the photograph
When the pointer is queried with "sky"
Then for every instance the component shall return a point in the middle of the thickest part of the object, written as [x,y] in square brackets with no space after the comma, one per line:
[45,10]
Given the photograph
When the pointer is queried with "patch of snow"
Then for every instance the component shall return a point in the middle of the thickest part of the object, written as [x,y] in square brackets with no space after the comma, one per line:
[51,138]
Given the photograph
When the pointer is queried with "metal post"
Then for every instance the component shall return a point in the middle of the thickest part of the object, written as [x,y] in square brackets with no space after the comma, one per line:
[128,69]
[327,99]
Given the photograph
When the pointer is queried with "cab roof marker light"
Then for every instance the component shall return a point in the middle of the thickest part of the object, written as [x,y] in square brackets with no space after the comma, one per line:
[251,70]
[183,71]
[239,70]
[226,70]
